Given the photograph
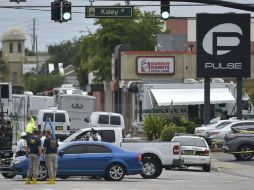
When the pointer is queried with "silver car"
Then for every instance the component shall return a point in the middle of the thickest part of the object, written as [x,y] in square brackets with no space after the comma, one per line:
[219,134]
[204,130]
[195,151]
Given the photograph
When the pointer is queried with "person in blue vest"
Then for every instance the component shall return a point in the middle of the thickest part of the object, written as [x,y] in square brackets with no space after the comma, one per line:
[34,152]
[50,151]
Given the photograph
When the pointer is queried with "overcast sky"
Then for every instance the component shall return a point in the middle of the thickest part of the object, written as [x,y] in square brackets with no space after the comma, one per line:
[50,32]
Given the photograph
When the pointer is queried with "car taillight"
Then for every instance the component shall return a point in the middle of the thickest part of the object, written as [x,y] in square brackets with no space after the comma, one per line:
[206,152]
[39,127]
[68,128]
[214,133]
[176,149]
[139,157]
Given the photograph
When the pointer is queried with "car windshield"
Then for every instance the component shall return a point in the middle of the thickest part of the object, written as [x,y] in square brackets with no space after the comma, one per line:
[185,141]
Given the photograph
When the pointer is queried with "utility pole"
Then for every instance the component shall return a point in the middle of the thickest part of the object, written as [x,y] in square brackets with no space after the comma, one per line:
[33,45]
[37,60]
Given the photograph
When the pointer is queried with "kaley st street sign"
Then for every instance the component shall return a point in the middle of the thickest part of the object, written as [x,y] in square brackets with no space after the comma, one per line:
[109,11]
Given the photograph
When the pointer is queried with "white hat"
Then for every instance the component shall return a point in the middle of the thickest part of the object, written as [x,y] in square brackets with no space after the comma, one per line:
[23,134]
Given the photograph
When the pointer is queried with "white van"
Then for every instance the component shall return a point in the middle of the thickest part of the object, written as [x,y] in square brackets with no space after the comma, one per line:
[59,120]
[106,119]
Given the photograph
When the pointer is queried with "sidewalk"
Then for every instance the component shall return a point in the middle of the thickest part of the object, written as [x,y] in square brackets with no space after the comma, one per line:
[232,166]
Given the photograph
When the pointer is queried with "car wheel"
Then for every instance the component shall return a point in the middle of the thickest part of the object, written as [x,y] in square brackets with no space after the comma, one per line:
[115,172]
[151,168]
[43,172]
[244,156]
[207,168]
[8,175]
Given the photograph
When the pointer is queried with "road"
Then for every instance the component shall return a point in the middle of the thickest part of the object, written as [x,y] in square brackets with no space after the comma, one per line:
[226,174]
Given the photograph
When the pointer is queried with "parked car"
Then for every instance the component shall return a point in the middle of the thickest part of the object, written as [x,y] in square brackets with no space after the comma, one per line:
[204,130]
[240,143]
[106,119]
[219,133]
[195,151]
[155,155]
[84,158]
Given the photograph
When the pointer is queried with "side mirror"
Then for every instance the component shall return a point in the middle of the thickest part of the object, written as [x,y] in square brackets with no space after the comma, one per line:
[61,153]
[86,119]
[69,119]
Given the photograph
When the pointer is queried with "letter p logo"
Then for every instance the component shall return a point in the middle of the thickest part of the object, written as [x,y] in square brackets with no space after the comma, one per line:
[222,38]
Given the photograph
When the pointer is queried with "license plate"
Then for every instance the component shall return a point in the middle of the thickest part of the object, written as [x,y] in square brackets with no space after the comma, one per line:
[59,128]
[187,152]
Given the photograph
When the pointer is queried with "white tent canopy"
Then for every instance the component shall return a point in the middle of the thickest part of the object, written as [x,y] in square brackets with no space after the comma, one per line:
[167,97]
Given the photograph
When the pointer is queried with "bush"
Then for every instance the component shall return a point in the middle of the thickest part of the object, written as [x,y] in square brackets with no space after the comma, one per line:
[188,125]
[170,130]
[153,125]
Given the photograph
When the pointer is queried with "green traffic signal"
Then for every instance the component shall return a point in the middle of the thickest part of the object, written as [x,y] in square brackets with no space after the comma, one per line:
[165,9]
[66,11]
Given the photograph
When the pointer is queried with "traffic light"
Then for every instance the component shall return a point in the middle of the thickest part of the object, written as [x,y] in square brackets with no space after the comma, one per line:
[66,11]
[56,11]
[165,9]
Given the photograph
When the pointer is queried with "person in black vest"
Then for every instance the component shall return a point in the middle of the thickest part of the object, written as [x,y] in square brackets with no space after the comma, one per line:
[50,151]
[34,152]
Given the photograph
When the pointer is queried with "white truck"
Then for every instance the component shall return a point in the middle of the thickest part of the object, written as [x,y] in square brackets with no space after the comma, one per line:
[155,155]
[79,107]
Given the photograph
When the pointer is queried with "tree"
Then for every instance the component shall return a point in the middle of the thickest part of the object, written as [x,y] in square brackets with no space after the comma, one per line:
[65,52]
[96,49]
[3,67]
[39,83]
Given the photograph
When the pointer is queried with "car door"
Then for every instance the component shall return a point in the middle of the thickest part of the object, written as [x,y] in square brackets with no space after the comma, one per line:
[97,159]
[60,122]
[71,163]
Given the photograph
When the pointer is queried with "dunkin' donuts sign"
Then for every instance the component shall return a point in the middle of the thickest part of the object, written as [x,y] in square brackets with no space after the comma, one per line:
[155,65]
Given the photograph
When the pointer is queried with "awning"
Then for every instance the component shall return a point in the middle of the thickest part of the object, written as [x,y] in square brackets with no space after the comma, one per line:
[167,97]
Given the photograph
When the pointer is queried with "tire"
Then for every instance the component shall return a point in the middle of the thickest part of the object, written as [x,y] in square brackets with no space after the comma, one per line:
[207,168]
[151,168]
[8,175]
[115,172]
[244,156]
[43,172]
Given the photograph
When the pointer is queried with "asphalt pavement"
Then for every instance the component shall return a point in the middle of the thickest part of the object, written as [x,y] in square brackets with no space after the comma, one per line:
[226,174]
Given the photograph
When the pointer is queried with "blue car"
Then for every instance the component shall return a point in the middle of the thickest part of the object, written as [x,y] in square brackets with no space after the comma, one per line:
[83,158]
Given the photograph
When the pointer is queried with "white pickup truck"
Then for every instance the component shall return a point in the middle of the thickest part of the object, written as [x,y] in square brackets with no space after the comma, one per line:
[155,155]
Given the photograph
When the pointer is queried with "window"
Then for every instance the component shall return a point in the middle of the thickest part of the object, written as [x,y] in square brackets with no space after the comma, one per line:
[244,126]
[11,47]
[115,120]
[222,125]
[190,142]
[98,149]
[14,77]
[76,149]
[82,137]
[50,115]
[19,47]
[60,117]
[4,91]
[107,135]
[103,119]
